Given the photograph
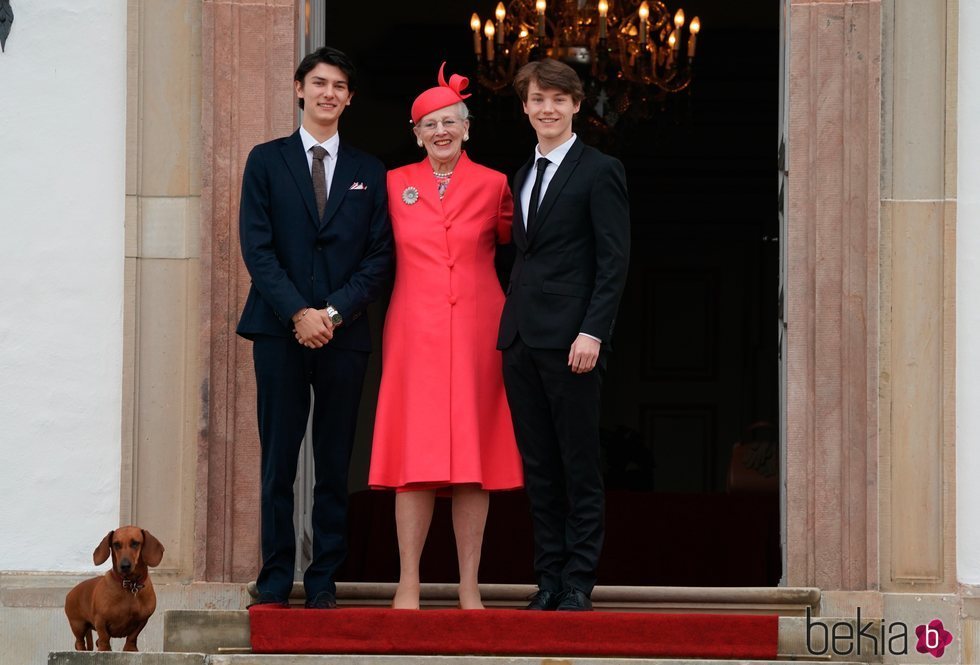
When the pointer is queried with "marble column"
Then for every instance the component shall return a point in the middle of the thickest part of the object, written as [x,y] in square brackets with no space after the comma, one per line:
[248,62]
[832,294]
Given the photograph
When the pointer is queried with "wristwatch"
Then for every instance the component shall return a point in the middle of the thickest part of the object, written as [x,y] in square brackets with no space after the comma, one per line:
[334,315]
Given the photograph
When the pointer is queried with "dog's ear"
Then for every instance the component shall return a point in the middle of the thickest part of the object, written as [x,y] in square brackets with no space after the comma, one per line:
[101,552]
[152,549]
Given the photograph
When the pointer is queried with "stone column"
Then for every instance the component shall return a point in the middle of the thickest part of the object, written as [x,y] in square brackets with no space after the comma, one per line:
[248,63]
[918,222]
[160,341]
[832,294]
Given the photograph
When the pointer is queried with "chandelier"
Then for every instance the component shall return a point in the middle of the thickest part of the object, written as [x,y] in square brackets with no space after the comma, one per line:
[630,55]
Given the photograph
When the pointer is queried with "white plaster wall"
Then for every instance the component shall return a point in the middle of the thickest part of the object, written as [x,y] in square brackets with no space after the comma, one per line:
[62,197]
[968,299]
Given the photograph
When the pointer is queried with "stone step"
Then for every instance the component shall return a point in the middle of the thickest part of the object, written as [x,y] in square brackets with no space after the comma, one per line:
[217,631]
[117,658]
[120,658]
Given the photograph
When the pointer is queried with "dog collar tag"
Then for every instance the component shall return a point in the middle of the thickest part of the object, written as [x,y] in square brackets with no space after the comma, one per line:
[133,586]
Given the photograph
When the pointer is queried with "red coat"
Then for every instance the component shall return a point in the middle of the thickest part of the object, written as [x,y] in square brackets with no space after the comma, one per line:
[442,413]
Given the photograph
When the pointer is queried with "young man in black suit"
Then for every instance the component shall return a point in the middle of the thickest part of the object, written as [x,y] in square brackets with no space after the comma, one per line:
[572,236]
[317,243]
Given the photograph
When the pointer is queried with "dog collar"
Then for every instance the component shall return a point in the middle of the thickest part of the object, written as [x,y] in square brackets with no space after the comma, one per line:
[129,584]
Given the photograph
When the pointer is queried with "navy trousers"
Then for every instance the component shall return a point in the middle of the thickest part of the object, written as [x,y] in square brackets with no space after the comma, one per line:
[285,371]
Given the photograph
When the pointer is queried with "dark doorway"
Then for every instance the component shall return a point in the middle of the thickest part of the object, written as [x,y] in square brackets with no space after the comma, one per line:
[695,368]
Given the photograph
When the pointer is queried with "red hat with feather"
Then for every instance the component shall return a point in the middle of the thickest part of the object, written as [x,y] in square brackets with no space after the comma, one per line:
[444,94]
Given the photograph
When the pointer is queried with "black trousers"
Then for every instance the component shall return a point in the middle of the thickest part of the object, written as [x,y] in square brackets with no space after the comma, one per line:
[556,420]
[284,373]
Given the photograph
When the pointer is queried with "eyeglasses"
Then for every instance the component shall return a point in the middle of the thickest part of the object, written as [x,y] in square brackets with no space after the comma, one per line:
[431,125]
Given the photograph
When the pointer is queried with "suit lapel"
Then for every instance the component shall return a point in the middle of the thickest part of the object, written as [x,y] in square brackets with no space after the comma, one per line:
[557,183]
[295,158]
[343,178]
[518,225]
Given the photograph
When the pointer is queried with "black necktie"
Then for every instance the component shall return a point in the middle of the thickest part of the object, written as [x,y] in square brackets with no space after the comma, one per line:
[532,206]
[319,178]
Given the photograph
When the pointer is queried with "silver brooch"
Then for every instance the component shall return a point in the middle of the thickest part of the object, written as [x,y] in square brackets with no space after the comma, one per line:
[410,195]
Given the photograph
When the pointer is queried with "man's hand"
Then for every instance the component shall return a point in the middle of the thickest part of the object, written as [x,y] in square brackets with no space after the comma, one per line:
[583,354]
[313,327]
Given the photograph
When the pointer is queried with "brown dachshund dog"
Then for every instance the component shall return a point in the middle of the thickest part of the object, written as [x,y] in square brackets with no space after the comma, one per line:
[119,603]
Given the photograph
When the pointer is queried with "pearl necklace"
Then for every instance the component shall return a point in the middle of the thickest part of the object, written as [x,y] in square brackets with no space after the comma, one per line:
[442,175]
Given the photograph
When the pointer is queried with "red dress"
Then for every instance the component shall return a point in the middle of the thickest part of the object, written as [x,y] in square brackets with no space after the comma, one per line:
[442,414]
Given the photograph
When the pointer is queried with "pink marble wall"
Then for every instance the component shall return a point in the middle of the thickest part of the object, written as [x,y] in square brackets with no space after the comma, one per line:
[247,71]
[831,294]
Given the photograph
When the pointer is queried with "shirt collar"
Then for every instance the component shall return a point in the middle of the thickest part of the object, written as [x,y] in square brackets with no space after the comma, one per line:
[331,145]
[557,154]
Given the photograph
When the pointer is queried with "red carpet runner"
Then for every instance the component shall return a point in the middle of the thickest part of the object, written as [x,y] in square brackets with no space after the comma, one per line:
[512,632]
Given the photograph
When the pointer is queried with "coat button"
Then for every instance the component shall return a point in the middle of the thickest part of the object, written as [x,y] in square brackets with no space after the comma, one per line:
[447,224]
[452,300]
[527,255]
[451,263]
[319,247]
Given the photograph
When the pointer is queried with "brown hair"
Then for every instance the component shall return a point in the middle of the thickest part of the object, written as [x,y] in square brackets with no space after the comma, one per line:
[549,74]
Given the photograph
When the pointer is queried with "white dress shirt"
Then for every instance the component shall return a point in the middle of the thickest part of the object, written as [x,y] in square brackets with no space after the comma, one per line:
[555,157]
[331,145]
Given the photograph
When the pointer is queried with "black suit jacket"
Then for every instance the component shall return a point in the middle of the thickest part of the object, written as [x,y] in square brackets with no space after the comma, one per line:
[569,272]
[296,261]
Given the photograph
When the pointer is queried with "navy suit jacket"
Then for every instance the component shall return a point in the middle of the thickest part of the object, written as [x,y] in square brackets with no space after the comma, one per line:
[570,270]
[296,260]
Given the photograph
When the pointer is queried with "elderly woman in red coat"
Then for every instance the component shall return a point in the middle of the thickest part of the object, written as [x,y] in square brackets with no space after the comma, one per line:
[443,424]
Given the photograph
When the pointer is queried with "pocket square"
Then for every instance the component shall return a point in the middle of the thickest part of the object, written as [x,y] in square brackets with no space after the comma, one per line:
[358,185]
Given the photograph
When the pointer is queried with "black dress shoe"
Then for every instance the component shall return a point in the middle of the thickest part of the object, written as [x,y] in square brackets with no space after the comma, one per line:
[544,600]
[573,600]
[268,599]
[322,601]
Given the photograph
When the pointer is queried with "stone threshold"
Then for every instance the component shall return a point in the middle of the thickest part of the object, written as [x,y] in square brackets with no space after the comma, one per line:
[784,601]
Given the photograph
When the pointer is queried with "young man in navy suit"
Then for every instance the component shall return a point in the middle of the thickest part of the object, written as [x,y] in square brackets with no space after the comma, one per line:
[317,243]
[572,236]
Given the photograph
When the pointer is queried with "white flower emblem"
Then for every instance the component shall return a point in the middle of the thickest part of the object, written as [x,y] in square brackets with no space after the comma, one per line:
[410,195]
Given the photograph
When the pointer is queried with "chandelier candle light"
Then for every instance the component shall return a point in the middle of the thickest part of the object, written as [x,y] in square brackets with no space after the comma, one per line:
[628,53]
